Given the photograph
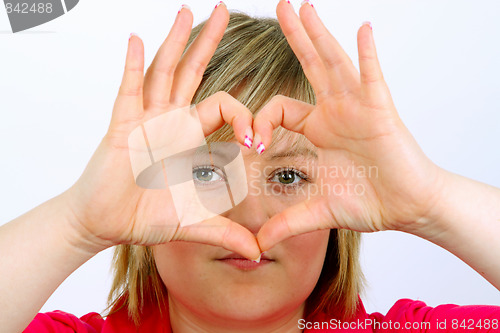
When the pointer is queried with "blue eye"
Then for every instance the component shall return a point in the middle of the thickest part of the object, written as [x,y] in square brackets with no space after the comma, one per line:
[205,175]
[288,176]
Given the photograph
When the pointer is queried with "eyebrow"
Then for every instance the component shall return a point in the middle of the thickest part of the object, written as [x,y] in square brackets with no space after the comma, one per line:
[223,154]
[298,152]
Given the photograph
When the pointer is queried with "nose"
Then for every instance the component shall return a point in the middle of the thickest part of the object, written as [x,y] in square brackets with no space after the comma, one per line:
[252,212]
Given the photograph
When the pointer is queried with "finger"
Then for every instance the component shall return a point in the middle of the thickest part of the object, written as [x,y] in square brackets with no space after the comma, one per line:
[339,66]
[282,111]
[160,74]
[374,90]
[128,105]
[303,48]
[190,69]
[221,108]
[307,216]
[221,231]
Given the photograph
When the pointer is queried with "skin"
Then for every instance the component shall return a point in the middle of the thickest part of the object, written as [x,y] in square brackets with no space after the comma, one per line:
[354,121]
[207,295]
[409,193]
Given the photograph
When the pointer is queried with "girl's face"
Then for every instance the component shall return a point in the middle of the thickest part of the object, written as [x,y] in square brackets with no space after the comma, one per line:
[204,281]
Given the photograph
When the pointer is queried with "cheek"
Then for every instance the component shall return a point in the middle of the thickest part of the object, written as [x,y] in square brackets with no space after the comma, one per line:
[191,277]
[306,254]
[179,262]
[283,197]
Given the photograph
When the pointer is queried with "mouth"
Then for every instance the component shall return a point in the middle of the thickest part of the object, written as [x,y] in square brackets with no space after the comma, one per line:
[237,261]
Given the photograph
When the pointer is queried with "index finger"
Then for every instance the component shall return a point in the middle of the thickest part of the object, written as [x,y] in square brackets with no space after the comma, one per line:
[337,63]
[303,48]
[190,70]
[282,111]
[160,75]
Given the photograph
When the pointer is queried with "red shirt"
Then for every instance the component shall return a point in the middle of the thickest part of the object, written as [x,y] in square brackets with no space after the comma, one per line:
[405,315]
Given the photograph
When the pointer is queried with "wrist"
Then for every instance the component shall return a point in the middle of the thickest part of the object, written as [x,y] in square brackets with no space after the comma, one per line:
[431,222]
[74,230]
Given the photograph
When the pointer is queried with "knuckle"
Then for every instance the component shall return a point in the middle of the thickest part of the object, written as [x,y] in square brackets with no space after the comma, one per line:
[158,104]
[132,91]
[333,62]
[167,70]
[279,98]
[365,56]
[134,70]
[198,67]
[310,59]
[275,101]
[220,95]
[369,78]
[225,238]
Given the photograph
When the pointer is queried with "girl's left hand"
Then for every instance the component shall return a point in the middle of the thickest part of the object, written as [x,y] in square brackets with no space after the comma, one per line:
[355,125]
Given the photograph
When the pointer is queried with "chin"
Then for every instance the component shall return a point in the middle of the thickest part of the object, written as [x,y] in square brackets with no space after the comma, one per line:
[252,303]
[246,310]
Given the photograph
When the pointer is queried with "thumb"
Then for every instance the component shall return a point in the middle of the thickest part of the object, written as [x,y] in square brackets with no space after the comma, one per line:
[221,231]
[307,216]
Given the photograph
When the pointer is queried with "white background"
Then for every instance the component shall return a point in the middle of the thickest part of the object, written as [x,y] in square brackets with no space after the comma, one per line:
[441,59]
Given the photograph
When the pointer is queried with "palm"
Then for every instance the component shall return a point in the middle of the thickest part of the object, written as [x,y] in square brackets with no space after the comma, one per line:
[107,201]
[379,167]
[355,125]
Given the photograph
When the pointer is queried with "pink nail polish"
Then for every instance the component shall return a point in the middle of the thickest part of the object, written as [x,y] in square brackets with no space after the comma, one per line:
[248,141]
[132,34]
[308,2]
[182,7]
[260,148]
[248,137]
[368,23]
[219,3]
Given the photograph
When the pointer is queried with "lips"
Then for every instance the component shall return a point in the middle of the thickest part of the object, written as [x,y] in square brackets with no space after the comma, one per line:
[242,263]
[237,256]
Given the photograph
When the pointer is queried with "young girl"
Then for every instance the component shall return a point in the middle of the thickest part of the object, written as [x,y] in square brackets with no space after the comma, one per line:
[326,158]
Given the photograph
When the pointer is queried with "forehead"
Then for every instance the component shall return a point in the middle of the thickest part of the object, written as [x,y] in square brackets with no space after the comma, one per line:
[288,144]
[284,144]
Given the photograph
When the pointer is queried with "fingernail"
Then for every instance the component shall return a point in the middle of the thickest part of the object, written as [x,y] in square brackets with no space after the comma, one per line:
[248,141]
[132,34]
[258,259]
[257,139]
[184,6]
[249,137]
[308,2]
[368,23]
[219,3]
[260,148]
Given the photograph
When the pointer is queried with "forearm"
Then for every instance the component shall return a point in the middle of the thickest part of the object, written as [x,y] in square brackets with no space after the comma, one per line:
[465,220]
[38,251]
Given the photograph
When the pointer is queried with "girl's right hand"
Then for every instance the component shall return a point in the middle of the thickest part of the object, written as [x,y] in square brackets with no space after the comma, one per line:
[109,207]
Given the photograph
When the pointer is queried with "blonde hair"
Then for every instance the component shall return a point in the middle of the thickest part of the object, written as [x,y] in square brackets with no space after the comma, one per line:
[254,62]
